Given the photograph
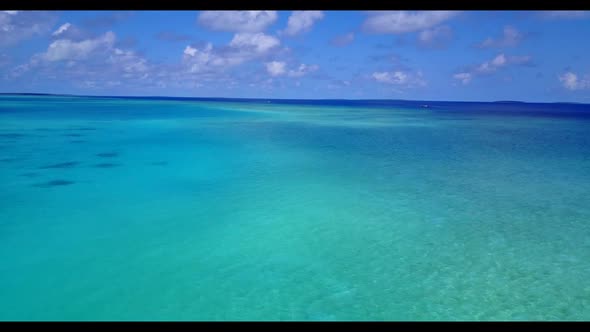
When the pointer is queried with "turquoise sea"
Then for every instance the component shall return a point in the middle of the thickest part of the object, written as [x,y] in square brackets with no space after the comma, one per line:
[207,209]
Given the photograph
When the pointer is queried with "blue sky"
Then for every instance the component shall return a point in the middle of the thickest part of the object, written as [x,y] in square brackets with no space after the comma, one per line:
[425,55]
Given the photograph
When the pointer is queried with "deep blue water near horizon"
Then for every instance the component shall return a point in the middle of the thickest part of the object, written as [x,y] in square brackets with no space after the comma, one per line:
[175,209]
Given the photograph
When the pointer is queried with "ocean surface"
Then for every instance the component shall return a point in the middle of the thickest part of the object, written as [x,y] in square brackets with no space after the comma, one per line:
[206,209]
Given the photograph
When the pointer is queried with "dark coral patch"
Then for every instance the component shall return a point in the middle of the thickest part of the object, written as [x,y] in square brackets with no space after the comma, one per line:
[68,164]
[73,135]
[8,160]
[12,135]
[82,128]
[159,163]
[46,129]
[30,174]
[54,183]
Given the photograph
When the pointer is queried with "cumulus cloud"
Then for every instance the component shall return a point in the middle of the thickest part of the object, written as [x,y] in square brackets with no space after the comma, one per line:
[510,38]
[238,20]
[302,70]
[71,32]
[302,21]
[436,37]
[65,49]
[93,62]
[61,29]
[400,78]
[402,21]
[564,14]
[501,61]
[242,48]
[191,51]
[571,81]
[279,68]
[207,59]
[491,66]
[465,78]
[128,61]
[275,68]
[20,25]
[259,42]
[343,40]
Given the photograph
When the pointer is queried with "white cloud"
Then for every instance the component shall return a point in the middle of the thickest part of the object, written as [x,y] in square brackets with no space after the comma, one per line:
[191,51]
[399,78]
[278,68]
[275,68]
[405,21]
[259,42]
[206,59]
[61,29]
[570,81]
[302,21]
[343,40]
[18,25]
[242,48]
[564,14]
[465,78]
[96,60]
[128,61]
[71,32]
[491,66]
[500,61]
[435,37]
[302,70]
[510,38]
[65,49]
[238,20]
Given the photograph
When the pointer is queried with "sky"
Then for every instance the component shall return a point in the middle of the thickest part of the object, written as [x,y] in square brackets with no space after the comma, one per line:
[535,56]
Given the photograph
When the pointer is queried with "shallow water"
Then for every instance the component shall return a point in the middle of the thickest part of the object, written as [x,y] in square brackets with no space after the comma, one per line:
[211,210]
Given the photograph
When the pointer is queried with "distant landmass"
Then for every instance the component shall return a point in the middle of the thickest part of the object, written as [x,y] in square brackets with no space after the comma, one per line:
[421,103]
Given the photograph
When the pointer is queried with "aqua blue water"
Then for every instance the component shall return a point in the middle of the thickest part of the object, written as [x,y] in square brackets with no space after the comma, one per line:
[170,209]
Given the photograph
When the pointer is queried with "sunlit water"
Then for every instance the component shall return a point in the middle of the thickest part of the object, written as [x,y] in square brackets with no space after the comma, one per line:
[147,209]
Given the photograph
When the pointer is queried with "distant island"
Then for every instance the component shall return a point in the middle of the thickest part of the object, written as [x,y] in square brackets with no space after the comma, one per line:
[420,103]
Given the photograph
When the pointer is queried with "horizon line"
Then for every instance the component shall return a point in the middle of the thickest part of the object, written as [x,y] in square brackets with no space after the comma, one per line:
[286,99]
